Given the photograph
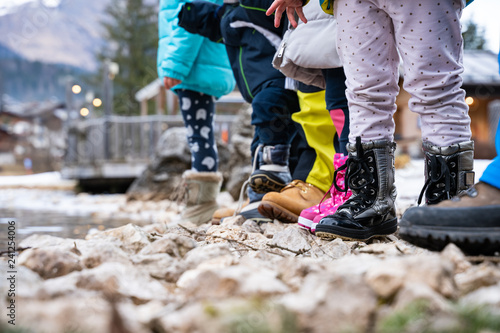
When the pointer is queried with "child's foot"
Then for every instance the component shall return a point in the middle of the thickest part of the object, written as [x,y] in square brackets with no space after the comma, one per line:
[287,204]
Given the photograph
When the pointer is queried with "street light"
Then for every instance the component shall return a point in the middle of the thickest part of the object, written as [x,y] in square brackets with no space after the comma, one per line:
[76,89]
[97,102]
[84,112]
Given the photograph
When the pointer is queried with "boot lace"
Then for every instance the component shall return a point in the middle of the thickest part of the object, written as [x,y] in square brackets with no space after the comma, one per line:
[359,178]
[438,183]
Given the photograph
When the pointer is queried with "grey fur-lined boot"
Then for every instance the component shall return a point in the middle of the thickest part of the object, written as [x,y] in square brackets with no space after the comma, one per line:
[370,211]
[448,171]
[202,189]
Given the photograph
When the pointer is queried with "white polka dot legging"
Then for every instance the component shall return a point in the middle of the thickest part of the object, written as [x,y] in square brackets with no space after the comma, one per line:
[198,112]
[428,37]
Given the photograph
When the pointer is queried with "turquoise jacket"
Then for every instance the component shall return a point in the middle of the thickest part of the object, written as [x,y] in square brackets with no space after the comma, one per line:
[199,63]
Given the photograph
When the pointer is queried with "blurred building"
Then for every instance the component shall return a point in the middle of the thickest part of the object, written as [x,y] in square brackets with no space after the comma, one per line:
[31,131]
[482,86]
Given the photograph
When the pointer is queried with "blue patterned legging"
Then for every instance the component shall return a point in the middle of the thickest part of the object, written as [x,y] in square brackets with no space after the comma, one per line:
[198,112]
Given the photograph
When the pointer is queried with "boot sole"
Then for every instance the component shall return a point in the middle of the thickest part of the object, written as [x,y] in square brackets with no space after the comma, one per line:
[277,212]
[473,242]
[262,183]
[330,232]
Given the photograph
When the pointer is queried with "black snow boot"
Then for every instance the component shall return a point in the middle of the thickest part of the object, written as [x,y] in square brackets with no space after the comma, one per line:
[448,171]
[370,211]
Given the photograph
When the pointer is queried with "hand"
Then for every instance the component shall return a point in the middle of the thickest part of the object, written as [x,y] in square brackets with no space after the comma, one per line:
[170,82]
[291,6]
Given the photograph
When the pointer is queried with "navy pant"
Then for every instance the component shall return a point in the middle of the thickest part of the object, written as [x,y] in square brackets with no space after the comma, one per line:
[198,111]
[336,104]
[272,108]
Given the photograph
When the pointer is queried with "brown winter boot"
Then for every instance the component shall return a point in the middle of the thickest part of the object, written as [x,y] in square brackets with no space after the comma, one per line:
[202,189]
[471,220]
[287,205]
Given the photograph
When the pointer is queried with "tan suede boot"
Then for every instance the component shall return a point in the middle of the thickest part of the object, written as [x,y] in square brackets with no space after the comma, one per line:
[224,212]
[287,205]
[202,190]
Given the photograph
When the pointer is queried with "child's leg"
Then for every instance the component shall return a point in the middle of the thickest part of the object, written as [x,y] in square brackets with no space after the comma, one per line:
[336,103]
[430,43]
[198,112]
[314,171]
[274,130]
[366,45]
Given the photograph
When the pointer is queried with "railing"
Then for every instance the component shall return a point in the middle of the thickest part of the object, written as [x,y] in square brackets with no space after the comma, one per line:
[117,140]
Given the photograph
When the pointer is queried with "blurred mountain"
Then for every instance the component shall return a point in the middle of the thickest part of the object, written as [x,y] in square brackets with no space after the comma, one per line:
[42,42]
[54,31]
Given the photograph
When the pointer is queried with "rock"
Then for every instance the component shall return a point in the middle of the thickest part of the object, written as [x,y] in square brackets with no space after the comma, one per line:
[172,244]
[330,250]
[50,262]
[271,228]
[489,296]
[157,265]
[413,292]
[27,282]
[387,249]
[132,237]
[332,303]
[123,280]
[40,240]
[433,271]
[456,256]
[205,253]
[250,226]
[162,177]
[386,280]
[91,313]
[292,238]
[229,281]
[94,252]
[224,233]
[256,240]
[231,315]
[476,277]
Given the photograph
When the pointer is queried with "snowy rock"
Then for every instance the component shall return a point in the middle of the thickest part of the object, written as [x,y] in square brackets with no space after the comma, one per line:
[132,237]
[50,262]
[292,238]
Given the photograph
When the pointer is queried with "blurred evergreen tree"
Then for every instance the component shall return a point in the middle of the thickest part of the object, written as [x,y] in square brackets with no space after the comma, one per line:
[473,37]
[132,39]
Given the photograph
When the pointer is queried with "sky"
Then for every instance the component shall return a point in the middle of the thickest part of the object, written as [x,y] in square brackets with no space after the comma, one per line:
[486,14]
